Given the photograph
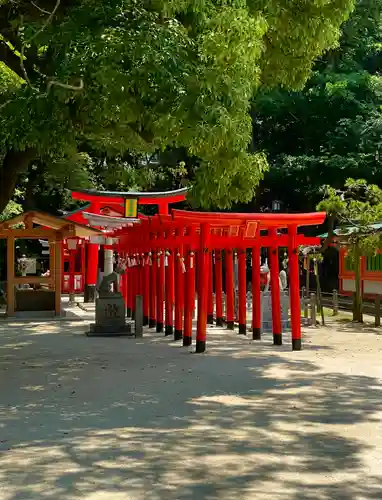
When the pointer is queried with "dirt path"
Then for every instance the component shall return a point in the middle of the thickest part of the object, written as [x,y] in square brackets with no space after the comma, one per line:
[119,419]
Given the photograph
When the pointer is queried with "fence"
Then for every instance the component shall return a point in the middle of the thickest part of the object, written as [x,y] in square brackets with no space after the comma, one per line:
[311,306]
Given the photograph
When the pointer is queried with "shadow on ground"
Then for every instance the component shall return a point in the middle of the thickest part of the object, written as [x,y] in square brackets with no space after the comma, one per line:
[125,419]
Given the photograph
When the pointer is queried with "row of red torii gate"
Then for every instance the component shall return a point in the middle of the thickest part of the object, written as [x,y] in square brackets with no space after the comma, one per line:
[174,256]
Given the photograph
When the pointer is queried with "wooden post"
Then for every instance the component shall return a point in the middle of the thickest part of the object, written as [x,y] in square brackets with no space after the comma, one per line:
[313,309]
[275,291]
[138,316]
[242,259]
[219,288]
[153,290]
[169,290]
[306,306]
[229,290]
[294,289]
[335,302]
[189,298]
[179,295]
[57,273]
[145,289]
[160,290]
[256,292]
[10,275]
[377,310]
[203,273]
[210,300]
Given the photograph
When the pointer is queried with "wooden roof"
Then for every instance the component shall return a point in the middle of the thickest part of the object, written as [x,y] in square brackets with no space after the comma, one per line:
[50,221]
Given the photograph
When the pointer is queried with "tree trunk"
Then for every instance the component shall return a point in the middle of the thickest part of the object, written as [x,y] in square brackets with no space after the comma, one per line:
[357,306]
[14,164]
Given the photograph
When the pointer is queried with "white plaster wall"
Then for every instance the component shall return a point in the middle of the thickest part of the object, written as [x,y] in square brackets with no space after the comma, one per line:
[372,287]
[348,285]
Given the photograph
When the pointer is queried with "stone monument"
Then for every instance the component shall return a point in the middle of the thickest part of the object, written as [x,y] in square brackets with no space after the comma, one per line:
[266,311]
[110,309]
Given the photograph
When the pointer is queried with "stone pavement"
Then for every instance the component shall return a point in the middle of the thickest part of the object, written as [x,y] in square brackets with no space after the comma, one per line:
[125,419]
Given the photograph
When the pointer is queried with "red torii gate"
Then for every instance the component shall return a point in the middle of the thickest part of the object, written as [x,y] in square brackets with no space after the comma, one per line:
[115,204]
[168,254]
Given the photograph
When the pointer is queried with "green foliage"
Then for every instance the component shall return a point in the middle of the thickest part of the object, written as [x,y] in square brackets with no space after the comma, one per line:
[129,76]
[13,208]
[332,129]
[356,209]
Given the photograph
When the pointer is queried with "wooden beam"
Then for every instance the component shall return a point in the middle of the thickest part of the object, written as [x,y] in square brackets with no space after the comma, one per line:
[10,276]
[28,234]
[34,280]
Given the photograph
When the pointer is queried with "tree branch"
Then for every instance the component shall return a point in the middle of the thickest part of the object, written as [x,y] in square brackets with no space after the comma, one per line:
[64,85]
[10,59]
[40,8]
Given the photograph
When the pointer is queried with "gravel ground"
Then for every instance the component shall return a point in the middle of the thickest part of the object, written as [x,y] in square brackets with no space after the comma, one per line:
[124,419]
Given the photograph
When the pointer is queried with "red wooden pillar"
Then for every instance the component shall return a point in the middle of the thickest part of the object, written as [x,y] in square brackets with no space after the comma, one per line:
[146,288]
[72,271]
[210,300]
[153,290]
[129,272]
[203,272]
[275,290]
[179,295]
[134,282]
[242,264]
[229,285]
[91,272]
[256,294]
[189,298]
[294,289]
[219,287]
[160,290]
[124,279]
[169,319]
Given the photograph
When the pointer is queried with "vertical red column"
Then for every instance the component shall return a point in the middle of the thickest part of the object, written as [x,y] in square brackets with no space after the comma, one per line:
[169,319]
[153,289]
[219,287]
[294,288]
[242,264]
[91,272]
[160,290]
[179,296]
[210,287]
[229,295]
[134,282]
[256,293]
[72,269]
[189,295]
[129,294]
[275,290]
[203,272]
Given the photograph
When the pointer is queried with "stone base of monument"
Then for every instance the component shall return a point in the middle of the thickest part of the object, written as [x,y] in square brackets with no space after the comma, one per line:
[110,318]
[266,311]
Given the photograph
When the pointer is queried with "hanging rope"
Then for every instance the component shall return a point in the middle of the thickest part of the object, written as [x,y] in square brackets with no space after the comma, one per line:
[167,253]
[181,259]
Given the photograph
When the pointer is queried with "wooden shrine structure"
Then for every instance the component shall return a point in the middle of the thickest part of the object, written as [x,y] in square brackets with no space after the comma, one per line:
[42,226]
[170,256]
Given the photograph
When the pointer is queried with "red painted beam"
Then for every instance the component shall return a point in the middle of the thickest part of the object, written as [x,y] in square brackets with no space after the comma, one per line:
[264,219]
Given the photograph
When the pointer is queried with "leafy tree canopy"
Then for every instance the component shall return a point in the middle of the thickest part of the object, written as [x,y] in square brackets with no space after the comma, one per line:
[332,129]
[139,76]
[357,210]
